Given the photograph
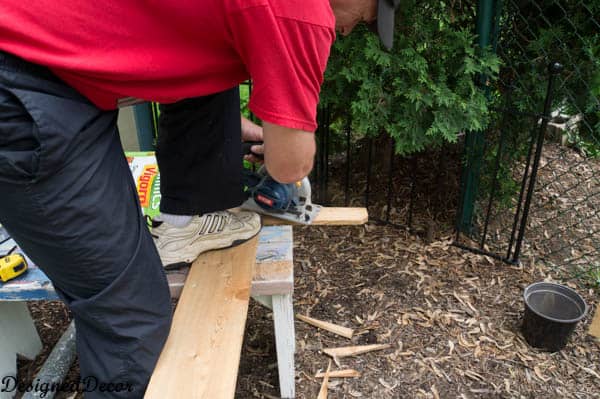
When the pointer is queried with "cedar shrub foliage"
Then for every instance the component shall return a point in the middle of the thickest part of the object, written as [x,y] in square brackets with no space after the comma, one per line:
[424,91]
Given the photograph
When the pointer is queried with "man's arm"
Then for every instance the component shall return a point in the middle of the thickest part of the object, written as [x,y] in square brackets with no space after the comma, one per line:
[289,153]
[252,132]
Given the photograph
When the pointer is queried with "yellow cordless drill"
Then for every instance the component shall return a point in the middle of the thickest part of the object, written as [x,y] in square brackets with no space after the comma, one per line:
[12,265]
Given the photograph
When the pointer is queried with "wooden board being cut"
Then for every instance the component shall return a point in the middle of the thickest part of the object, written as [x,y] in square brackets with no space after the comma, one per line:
[202,354]
[329,216]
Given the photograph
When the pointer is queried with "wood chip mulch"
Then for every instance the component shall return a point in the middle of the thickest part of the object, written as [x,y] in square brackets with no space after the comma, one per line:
[453,318]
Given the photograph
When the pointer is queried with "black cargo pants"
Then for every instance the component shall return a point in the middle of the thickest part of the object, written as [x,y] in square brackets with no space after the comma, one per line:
[68,198]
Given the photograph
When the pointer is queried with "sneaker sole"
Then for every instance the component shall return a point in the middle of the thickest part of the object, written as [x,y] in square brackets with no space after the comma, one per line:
[234,243]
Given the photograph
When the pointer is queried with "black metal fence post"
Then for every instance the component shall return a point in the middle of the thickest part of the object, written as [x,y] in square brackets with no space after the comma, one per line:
[369,169]
[347,181]
[327,137]
[390,189]
[554,69]
[495,182]
[413,190]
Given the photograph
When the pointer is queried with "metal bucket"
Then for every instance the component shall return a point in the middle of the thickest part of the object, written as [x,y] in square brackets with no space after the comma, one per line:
[551,313]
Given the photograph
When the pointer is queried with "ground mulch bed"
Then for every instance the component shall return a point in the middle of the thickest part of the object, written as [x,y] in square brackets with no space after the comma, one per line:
[452,318]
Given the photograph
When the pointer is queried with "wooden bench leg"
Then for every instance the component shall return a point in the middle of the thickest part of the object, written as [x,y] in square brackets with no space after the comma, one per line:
[8,368]
[17,336]
[285,340]
[267,302]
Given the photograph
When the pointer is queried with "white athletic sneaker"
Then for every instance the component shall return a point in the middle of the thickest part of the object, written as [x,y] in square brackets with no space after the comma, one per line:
[180,246]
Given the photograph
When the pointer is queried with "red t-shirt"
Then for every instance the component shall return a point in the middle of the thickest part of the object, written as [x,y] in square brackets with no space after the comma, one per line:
[165,51]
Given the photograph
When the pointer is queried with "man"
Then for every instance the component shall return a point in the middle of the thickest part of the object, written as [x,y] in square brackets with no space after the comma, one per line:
[68,197]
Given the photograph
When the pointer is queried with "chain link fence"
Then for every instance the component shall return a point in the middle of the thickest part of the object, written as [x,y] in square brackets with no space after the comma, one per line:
[538,194]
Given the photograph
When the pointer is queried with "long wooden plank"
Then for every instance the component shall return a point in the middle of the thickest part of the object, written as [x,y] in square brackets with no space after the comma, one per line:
[202,354]
[330,216]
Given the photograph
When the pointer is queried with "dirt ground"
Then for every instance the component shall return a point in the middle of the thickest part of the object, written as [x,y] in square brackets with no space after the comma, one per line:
[452,318]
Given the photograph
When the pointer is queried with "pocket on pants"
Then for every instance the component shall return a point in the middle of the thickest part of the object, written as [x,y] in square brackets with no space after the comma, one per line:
[62,127]
[19,145]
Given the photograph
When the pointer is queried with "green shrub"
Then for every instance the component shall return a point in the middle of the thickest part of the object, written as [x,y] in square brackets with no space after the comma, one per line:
[423,92]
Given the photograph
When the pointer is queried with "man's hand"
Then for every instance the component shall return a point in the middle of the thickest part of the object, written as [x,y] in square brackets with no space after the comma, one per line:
[289,153]
[252,132]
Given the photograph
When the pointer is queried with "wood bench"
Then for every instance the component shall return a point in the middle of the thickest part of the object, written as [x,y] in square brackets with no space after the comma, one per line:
[272,285]
[201,356]
[199,342]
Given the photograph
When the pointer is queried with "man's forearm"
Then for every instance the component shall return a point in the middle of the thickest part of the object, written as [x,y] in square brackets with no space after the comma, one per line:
[289,153]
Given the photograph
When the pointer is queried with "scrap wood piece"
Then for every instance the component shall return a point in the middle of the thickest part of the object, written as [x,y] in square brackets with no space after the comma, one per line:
[208,328]
[595,326]
[325,384]
[346,373]
[354,350]
[331,216]
[334,328]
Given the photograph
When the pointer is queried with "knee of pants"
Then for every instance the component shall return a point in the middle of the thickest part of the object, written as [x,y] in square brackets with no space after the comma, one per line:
[135,302]
[121,330]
